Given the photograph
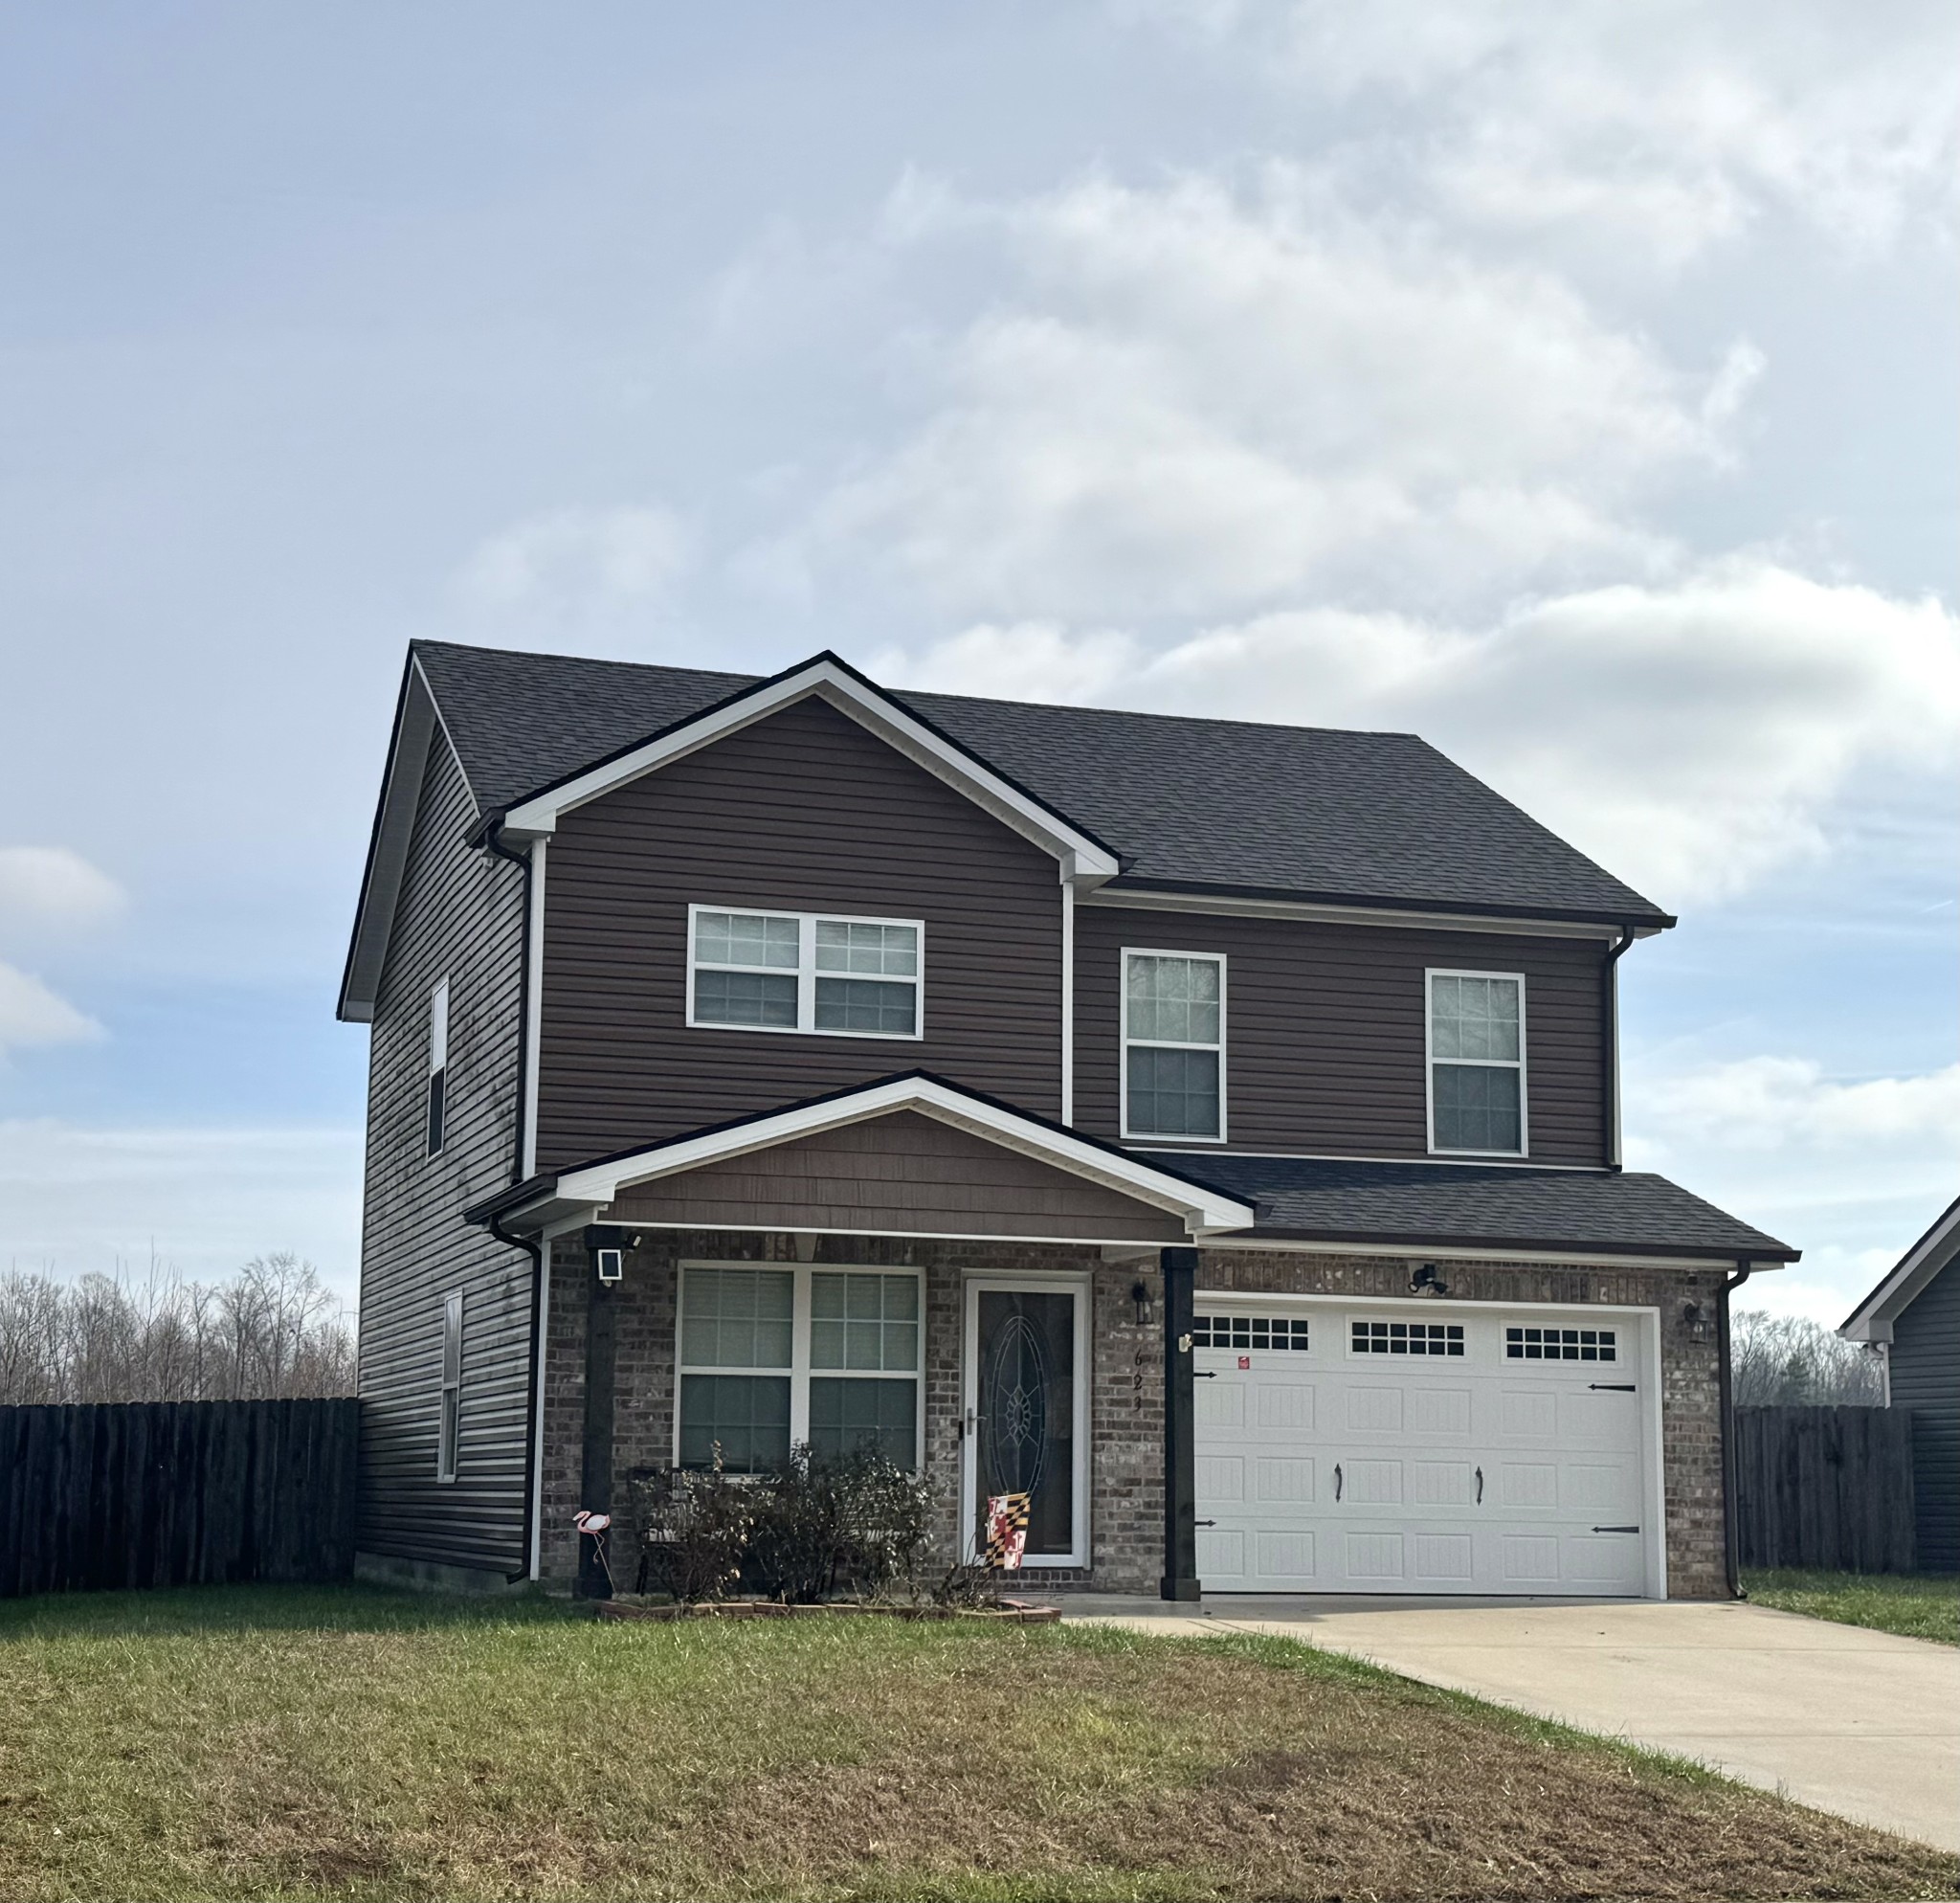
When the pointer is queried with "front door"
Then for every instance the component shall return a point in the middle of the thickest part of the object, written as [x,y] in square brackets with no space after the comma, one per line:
[1026,1415]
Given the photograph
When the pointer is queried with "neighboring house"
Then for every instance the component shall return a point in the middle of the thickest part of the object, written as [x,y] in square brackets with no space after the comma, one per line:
[1211,1128]
[1915,1312]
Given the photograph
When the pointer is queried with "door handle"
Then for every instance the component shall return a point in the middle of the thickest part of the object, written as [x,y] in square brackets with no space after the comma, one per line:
[1337,1480]
[1480,1487]
[1204,1523]
[1616,1529]
[1204,1373]
[1611,1387]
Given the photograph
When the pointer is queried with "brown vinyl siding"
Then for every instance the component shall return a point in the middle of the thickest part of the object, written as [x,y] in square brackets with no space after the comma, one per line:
[804,810]
[902,1173]
[1325,1042]
[459,916]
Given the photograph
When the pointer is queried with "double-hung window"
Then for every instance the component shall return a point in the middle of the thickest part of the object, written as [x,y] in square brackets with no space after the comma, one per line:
[1173,1044]
[852,978]
[1477,1062]
[776,1357]
[438,1067]
[449,1419]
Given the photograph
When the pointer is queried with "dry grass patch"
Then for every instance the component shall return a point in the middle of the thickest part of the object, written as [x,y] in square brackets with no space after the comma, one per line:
[258,1743]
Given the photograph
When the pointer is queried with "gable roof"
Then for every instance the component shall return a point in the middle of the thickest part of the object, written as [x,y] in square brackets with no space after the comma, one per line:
[545,1199]
[1205,806]
[1910,1278]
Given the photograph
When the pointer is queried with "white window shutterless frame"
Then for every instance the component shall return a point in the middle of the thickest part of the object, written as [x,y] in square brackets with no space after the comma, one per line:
[977,1340]
[449,1419]
[813,974]
[775,1355]
[437,1109]
[1475,1063]
[1174,1045]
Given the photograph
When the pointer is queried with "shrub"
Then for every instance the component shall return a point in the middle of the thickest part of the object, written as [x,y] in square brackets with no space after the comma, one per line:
[694,1529]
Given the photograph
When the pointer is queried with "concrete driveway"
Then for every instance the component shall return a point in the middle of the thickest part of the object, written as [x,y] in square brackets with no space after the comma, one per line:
[1854,1723]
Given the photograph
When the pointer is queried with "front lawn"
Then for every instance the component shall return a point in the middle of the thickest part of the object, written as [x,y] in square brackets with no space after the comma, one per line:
[258,1742]
[1916,1606]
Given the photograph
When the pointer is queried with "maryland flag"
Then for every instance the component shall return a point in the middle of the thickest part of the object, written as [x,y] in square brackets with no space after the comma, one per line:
[1007,1529]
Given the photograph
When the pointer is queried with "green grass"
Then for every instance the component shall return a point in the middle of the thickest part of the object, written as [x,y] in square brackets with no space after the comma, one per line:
[1916,1606]
[260,1742]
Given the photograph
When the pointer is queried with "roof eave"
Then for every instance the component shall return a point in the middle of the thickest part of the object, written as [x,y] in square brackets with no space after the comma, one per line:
[1642,923]
[1906,1281]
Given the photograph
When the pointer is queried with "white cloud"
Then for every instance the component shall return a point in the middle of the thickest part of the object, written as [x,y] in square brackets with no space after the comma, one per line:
[1199,401]
[31,1015]
[572,564]
[1849,1171]
[1664,128]
[1692,736]
[50,884]
[74,1199]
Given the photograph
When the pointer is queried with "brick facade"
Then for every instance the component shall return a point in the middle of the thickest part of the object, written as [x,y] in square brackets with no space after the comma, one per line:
[1127,1408]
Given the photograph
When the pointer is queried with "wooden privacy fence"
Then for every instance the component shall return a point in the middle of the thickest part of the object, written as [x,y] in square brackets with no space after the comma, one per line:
[1829,1487]
[172,1493]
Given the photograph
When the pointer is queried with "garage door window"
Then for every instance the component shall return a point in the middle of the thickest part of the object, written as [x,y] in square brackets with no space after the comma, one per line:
[1561,1344]
[1262,1331]
[1408,1338]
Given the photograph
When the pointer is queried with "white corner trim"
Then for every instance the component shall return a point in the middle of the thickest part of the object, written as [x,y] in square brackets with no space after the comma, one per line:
[1082,857]
[534,1004]
[1204,1211]
[1068,998]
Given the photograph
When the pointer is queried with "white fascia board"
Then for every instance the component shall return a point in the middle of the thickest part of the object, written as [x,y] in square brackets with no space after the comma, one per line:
[1445,1251]
[1873,1318]
[394,829]
[1083,859]
[1204,1211]
[1312,912]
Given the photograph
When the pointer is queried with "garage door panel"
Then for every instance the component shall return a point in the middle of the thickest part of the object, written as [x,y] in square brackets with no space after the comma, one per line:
[1333,1470]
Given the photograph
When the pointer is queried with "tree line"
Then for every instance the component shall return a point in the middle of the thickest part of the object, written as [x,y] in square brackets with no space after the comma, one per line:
[1785,1362]
[272,1332]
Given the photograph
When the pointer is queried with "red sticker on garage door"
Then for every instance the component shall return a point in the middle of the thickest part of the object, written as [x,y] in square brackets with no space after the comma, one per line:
[1245,1360]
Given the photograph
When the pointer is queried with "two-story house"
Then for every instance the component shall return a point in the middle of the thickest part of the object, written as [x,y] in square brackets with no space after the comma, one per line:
[1210,1128]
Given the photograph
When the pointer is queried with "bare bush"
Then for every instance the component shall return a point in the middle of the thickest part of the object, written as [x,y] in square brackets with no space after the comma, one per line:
[272,1332]
[1785,1362]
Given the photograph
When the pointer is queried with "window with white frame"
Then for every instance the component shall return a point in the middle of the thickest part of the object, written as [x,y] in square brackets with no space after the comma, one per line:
[852,978]
[776,1357]
[438,1067]
[1173,1044]
[449,1419]
[1477,1062]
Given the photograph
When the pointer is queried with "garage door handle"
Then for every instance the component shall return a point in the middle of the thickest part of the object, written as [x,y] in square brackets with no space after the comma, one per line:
[1204,1523]
[1337,1480]
[1204,1373]
[1616,1529]
[1611,1387]
[1480,1487]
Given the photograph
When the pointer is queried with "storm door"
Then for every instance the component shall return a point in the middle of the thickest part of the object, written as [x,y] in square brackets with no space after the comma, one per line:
[1026,1415]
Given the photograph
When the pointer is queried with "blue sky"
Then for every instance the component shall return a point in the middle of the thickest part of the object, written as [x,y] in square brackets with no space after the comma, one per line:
[1573,385]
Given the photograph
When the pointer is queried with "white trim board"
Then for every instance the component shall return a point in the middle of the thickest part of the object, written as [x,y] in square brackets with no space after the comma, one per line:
[1204,1211]
[1326,912]
[1873,1318]
[826,678]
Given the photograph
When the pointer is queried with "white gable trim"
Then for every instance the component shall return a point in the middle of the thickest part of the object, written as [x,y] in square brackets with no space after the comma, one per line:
[1204,1211]
[1873,1318]
[826,679]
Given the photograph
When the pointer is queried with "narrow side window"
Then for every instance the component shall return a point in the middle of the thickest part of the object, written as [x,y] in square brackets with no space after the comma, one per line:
[450,1420]
[1477,1062]
[438,1063]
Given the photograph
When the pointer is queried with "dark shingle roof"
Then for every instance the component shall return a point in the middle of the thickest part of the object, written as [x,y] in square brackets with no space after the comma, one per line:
[1227,805]
[1476,1206]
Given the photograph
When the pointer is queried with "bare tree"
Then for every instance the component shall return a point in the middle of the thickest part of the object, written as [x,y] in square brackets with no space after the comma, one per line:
[1785,1362]
[273,1330]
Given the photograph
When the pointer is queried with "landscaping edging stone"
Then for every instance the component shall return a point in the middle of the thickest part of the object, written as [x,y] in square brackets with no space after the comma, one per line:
[1009,1614]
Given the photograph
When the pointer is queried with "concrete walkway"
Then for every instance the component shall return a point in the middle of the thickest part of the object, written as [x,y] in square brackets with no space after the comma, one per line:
[1850,1721]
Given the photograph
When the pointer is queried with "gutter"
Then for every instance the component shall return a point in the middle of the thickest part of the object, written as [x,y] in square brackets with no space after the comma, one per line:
[1731,1537]
[1609,1020]
[493,842]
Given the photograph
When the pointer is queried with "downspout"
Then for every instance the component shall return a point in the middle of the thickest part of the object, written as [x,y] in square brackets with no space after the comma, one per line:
[1609,1020]
[1732,1538]
[493,839]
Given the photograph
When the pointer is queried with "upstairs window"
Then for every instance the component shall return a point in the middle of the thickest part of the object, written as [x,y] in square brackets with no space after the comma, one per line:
[1173,1044]
[438,1066]
[850,977]
[1477,1062]
[449,1419]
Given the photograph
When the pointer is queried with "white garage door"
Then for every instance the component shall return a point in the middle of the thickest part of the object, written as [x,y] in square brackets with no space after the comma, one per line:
[1421,1447]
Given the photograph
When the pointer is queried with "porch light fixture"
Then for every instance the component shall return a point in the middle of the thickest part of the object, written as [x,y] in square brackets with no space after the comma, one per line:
[1695,1320]
[1427,1282]
[1140,1294]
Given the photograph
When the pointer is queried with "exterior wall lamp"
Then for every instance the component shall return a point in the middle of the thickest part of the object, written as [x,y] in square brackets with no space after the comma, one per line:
[1695,1320]
[1427,1282]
